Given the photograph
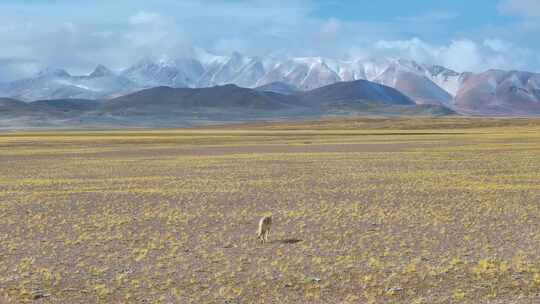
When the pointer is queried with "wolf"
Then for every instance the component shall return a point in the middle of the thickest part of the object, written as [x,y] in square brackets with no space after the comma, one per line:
[264,228]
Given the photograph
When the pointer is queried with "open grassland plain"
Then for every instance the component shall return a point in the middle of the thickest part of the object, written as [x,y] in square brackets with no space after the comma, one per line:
[364,211]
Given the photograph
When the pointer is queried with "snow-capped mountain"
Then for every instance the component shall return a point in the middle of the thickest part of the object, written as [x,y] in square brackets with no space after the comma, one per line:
[235,69]
[425,84]
[303,73]
[411,79]
[497,92]
[101,71]
[447,79]
[179,73]
[222,70]
[59,84]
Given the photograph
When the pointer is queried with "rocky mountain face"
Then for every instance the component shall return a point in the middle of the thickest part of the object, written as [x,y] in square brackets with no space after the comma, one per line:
[497,92]
[489,93]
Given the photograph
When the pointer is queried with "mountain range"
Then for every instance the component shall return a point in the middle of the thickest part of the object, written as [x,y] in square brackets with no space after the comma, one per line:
[170,107]
[493,92]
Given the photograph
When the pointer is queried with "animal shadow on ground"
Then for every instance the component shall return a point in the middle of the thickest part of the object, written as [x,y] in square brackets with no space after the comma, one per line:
[287,241]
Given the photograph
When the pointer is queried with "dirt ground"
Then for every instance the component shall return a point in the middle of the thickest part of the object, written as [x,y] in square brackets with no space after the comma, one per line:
[364,211]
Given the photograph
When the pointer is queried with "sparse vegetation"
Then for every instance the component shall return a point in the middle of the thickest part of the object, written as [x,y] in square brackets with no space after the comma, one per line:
[364,211]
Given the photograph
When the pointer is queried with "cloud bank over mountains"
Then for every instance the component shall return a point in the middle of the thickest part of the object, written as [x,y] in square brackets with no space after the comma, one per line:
[79,35]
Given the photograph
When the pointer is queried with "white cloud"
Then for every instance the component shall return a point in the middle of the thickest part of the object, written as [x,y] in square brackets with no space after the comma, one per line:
[498,45]
[413,48]
[462,55]
[12,69]
[117,33]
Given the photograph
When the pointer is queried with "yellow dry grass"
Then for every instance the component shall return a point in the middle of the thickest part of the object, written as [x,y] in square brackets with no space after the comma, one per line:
[364,211]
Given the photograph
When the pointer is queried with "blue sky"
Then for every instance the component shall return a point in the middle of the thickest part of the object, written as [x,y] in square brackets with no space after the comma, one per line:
[472,35]
[477,12]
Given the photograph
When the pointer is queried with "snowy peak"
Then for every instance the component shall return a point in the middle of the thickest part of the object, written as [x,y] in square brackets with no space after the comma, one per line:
[319,74]
[53,72]
[250,73]
[497,92]
[237,69]
[305,73]
[58,84]
[415,79]
[149,73]
[101,71]
[437,70]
